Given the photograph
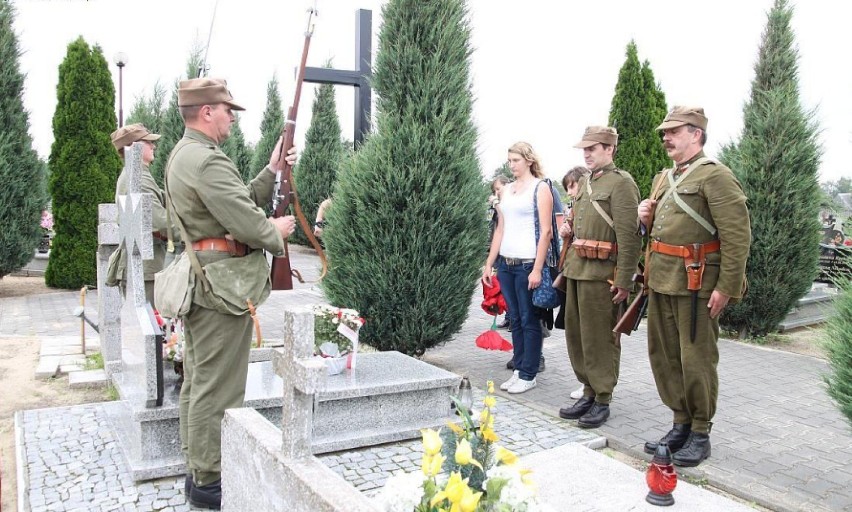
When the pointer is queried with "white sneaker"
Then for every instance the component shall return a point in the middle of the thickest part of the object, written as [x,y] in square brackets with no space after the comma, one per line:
[578,394]
[521,385]
[506,385]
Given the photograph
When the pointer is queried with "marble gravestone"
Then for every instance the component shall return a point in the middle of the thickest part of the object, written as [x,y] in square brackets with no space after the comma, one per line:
[140,375]
[109,297]
[265,470]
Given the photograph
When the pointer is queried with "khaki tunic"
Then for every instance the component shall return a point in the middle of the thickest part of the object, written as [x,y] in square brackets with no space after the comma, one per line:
[211,200]
[590,314]
[685,370]
[616,192]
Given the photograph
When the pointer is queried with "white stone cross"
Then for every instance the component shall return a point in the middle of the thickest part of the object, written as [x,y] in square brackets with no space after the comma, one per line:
[134,219]
[303,377]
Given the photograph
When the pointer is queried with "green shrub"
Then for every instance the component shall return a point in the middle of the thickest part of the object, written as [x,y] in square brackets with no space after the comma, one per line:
[406,228]
[84,164]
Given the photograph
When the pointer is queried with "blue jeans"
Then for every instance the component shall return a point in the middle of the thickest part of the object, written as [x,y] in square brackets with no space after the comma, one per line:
[523,317]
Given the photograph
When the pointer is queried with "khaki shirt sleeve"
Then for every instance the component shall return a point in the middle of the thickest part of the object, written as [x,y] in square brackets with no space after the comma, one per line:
[727,204]
[234,205]
[624,204]
[262,186]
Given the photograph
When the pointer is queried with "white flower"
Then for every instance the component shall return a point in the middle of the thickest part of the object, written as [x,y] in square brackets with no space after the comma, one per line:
[401,493]
[515,493]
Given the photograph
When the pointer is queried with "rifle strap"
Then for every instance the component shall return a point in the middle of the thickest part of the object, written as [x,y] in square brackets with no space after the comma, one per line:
[654,193]
[193,258]
[306,227]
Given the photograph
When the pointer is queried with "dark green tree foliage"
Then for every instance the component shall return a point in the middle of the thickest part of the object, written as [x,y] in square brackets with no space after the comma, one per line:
[270,126]
[316,171]
[237,150]
[172,127]
[407,230]
[83,163]
[777,161]
[839,348]
[503,170]
[638,107]
[150,110]
[22,195]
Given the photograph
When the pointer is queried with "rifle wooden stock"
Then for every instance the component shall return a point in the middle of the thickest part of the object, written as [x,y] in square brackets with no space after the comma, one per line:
[285,191]
[632,316]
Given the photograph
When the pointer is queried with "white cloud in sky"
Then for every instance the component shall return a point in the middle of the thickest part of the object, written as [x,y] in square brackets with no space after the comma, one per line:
[542,70]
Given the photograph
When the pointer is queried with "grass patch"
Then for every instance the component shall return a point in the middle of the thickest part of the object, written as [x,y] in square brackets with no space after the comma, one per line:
[699,481]
[111,393]
[94,362]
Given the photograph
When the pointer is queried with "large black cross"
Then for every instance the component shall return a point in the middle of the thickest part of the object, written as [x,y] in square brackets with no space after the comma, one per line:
[359,78]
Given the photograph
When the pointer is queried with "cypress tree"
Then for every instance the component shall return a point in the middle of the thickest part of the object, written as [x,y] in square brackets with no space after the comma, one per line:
[638,107]
[237,150]
[83,163]
[150,110]
[270,126]
[172,127]
[776,160]
[839,348]
[316,171]
[22,195]
[406,231]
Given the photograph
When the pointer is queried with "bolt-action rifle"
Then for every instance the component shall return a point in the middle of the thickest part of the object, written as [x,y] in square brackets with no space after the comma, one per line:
[284,193]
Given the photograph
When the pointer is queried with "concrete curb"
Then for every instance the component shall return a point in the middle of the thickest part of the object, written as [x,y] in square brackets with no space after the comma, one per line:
[22,483]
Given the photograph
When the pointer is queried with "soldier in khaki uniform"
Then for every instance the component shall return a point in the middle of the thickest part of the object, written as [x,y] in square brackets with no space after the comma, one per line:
[223,220]
[599,269]
[699,242]
[126,136]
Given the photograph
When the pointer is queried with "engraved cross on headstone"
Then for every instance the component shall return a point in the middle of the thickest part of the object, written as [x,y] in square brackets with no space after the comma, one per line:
[303,377]
[141,356]
[359,78]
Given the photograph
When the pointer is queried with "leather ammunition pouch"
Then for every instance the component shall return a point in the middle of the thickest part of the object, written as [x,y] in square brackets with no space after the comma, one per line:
[595,249]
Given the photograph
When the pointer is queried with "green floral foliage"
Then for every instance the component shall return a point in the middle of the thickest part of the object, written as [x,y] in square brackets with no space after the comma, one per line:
[316,171]
[406,231]
[777,161]
[638,107]
[83,162]
[22,174]
[839,347]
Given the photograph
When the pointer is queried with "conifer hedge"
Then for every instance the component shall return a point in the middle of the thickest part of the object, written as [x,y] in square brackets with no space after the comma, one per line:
[22,194]
[84,164]
[316,171]
[777,162]
[839,348]
[638,107]
[407,228]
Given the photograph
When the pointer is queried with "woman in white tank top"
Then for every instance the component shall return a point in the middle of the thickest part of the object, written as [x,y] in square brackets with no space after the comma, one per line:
[520,260]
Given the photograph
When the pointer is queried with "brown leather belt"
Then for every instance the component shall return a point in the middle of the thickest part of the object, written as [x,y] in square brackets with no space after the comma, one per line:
[228,245]
[683,251]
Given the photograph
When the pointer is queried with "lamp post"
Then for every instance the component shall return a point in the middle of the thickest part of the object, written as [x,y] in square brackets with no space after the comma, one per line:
[120,60]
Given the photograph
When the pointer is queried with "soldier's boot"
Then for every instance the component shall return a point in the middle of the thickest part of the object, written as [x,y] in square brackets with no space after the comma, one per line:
[207,496]
[187,485]
[596,416]
[693,453]
[675,438]
[579,408]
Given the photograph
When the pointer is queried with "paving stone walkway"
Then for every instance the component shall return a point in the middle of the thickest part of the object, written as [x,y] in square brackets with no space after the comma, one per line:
[74,464]
[777,439]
